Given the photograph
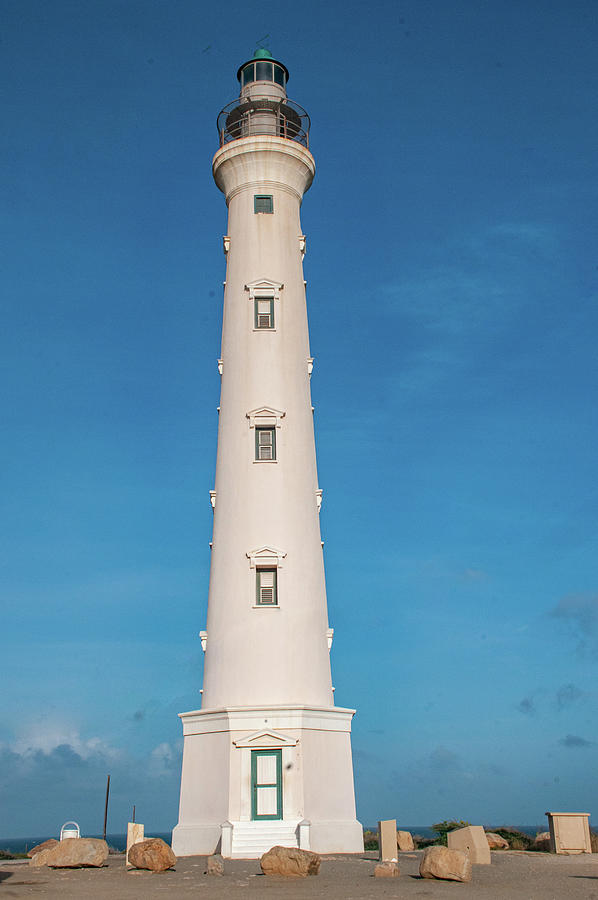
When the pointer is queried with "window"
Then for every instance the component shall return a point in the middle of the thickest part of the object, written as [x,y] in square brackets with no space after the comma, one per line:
[263,203]
[264,312]
[263,71]
[248,74]
[265,443]
[264,295]
[266,594]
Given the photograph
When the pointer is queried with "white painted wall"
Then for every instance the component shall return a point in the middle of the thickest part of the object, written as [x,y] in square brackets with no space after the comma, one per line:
[265,655]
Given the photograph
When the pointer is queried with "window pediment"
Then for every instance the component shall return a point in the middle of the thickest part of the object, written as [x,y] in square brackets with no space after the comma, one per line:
[265,416]
[264,287]
[266,556]
[266,739]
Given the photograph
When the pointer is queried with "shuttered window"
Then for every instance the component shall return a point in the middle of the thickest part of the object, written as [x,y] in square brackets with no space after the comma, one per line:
[265,443]
[264,312]
[266,587]
[263,203]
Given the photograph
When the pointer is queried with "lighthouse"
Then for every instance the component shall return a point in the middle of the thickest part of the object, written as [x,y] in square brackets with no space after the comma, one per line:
[267,759]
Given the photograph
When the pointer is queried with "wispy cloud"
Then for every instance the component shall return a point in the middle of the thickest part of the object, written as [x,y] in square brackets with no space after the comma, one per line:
[579,612]
[527,706]
[573,741]
[47,737]
[444,761]
[567,695]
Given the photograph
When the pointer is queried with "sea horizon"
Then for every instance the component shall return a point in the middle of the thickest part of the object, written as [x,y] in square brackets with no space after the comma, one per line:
[118,839]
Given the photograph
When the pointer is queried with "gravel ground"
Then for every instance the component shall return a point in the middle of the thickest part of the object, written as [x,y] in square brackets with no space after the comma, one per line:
[512,876]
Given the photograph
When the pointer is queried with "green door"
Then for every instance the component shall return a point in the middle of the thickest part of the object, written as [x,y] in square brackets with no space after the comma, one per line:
[266,784]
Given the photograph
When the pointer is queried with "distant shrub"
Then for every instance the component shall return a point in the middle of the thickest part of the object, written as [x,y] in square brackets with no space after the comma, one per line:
[594,841]
[420,842]
[443,828]
[370,840]
[518,840]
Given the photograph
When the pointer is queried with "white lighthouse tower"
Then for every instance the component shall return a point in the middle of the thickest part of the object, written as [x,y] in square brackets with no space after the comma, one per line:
[267,758]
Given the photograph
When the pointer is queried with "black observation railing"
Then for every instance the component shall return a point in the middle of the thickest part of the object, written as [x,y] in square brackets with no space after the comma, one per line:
[263,115]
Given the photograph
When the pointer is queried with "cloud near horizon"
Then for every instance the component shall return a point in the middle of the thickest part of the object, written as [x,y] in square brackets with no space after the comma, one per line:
[63,776]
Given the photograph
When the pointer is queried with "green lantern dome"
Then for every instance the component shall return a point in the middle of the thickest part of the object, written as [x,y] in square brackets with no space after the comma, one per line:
[262,53]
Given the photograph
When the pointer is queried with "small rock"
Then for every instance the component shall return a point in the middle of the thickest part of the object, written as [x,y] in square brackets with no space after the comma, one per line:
[73,853]
[405,841]
[153,854]
[387,870]
[542,841]
[496,842]
[290,861]
[45,845]
[449,865]
[215,865]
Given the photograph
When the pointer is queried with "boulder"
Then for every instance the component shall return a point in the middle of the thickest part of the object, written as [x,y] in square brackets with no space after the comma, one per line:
[496,842]
[41,858]
[542,841]
[405,841]
[73,853]
[215,865]
[387,870]
[45,845]
[290,861]
[153,854]
[449,865]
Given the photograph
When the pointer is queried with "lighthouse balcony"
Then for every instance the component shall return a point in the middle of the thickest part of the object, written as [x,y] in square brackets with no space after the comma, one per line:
[254,115]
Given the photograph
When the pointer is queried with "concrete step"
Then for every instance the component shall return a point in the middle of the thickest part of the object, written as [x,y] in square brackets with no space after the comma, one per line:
[252,839]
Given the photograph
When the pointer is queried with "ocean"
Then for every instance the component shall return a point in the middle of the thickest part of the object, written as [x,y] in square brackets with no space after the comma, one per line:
[119,841]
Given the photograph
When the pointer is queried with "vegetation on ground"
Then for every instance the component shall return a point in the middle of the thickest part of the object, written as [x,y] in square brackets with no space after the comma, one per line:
[7,854]
[519,840]
[370,840]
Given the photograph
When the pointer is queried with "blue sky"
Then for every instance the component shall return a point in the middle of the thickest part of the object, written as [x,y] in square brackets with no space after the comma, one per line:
[452,281]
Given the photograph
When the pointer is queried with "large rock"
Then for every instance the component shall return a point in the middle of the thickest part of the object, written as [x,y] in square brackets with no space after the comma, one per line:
[41,858]
[387,870]
[73,853]
[449,865]
[290,861]
[496,842]
[542,841]
[153,854]
[405,841]
[45,845]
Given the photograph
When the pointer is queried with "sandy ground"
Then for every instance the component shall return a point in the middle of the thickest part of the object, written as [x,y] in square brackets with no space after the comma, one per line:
[512,876]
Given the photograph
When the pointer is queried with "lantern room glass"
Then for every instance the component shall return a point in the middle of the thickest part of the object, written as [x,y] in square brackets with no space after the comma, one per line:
[262,70]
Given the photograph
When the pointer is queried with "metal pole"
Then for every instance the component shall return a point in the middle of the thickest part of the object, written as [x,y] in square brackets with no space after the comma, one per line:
[133,812]
[106,807]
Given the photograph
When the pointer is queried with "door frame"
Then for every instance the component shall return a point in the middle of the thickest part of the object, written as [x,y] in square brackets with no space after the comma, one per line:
[254,785]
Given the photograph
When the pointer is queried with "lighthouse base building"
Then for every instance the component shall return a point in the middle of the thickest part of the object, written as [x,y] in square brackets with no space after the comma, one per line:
[267,758]
[291,767]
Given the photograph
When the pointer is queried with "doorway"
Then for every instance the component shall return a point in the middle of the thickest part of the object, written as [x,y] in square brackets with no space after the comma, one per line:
[266,784]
